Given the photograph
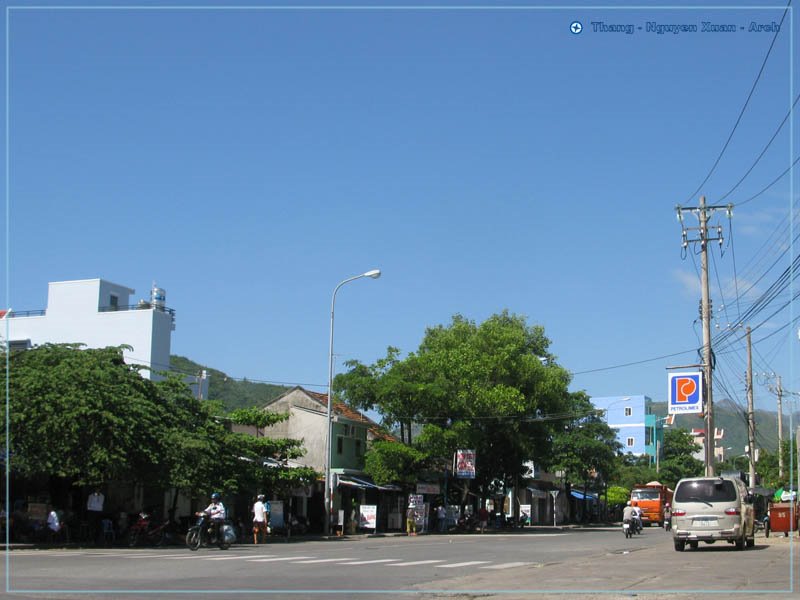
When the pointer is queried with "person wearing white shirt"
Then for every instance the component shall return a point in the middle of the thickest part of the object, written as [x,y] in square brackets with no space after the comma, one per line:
[259,519]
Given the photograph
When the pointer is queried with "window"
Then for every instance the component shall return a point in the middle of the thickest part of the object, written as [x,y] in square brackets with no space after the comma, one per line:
[113,302]
[628,411]
[630,442]
[648,436]
[339,445]
[359,451]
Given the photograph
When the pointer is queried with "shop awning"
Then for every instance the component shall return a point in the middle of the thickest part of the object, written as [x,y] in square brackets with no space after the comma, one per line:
[353,482]
[363,483]
[537,493]
[581,496]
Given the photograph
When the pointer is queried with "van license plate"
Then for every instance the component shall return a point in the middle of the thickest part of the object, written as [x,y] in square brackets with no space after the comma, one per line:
[704,522]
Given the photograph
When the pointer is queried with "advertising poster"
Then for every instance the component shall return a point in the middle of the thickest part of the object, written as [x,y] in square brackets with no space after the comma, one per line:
[465,464]
[276,514]
[368,516]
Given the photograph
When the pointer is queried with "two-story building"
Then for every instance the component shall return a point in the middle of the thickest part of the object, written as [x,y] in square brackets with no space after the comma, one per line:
[351,432]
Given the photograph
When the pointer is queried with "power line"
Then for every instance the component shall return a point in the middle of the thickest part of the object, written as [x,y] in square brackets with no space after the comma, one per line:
[741,113]
[760,156]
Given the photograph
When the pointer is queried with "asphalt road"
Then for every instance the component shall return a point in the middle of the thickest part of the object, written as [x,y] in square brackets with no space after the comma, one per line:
[570,563]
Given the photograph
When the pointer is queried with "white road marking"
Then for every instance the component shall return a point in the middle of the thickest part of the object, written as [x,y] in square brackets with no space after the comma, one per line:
[463,564]
[231,557]
[322,560]
[280,558]
[506,565]
[416,562]
[371,562]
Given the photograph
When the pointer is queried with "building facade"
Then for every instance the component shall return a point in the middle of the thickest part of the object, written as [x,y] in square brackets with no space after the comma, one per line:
[640,432]
[97,314]
[351,431]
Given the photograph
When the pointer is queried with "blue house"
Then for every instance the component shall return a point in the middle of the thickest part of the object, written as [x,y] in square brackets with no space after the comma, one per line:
[638,430]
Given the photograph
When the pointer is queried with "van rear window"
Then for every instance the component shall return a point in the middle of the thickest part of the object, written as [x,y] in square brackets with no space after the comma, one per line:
[706,490]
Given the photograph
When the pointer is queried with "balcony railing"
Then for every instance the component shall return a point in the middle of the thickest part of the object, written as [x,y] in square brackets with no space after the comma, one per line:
[27,313]
[140,306]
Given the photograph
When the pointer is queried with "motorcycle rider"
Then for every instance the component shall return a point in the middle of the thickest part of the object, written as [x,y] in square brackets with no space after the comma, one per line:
[215,512]
[627,513]
[637,516]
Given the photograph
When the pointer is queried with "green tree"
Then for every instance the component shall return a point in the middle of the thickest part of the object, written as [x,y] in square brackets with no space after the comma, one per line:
[84,415]
[486,387]
[678,462]
[586,448]
[634,470]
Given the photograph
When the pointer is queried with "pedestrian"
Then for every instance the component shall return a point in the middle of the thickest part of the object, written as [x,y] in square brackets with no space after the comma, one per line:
[94,513]
[54,525]
[411,520]
[441,516]
[259,519]
[483,518]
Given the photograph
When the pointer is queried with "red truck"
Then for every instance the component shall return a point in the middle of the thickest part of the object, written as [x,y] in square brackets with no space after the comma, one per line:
[651,498]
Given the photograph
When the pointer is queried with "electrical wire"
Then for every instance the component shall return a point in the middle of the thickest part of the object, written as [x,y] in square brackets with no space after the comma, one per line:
[760,156]
[744,107]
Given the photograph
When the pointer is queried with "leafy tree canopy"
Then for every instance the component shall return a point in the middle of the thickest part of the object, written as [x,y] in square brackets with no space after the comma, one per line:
[487,387]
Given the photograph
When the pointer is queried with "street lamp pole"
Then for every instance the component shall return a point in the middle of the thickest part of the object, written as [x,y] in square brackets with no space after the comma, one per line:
[374,274]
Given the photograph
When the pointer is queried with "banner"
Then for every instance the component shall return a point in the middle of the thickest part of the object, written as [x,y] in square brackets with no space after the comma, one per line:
[465,464]
[428,488]
[368,516]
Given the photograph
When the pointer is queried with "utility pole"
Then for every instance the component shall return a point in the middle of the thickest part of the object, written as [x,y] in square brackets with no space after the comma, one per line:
[751,423]
[780,429]
[703,211]
[778,391]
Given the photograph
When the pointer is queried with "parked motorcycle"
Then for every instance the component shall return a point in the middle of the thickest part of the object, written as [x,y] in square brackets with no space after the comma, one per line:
[467,523]
[144,531]
[205,533]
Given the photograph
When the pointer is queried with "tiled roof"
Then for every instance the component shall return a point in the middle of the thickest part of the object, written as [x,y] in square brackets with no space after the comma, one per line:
[354,415]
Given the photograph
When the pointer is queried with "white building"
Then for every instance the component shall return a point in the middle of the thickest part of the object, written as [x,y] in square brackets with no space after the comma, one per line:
[98,313]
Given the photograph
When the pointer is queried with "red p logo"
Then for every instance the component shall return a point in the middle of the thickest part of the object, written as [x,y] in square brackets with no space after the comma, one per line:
[685,387]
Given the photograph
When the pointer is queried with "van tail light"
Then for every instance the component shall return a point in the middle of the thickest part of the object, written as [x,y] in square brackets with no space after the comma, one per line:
[732,511]
[678,513]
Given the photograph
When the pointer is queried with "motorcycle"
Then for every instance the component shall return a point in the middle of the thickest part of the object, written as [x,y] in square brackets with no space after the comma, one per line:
[206,533]
[667,523]
[467,523]
[144,531]
[627,528]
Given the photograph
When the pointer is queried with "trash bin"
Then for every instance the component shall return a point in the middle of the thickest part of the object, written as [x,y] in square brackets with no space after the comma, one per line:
[780,517]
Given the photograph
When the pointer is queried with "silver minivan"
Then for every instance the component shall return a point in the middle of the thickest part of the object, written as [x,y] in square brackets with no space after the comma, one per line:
[707,509]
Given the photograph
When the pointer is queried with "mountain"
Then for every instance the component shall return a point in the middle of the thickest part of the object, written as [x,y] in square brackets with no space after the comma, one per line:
[732,418]
[233,393]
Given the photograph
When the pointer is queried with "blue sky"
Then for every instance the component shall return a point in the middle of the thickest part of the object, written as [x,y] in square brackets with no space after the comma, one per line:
[484,158]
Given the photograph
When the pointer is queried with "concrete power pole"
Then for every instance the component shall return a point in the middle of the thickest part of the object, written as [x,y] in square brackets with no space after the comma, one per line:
[703,211]
[780,429]
[706,313]
[751,423]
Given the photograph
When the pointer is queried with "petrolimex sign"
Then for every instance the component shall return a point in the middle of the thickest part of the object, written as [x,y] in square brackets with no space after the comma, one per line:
[685,393]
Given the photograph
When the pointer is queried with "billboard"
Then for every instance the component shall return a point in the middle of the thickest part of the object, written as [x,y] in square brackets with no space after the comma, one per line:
[465,464]
[685,393]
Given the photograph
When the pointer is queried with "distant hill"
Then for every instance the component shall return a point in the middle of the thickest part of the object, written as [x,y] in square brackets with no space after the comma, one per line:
[232,393]
[733,419]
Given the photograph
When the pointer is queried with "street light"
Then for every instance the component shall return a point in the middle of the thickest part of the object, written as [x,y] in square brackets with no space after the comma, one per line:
[374,274]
